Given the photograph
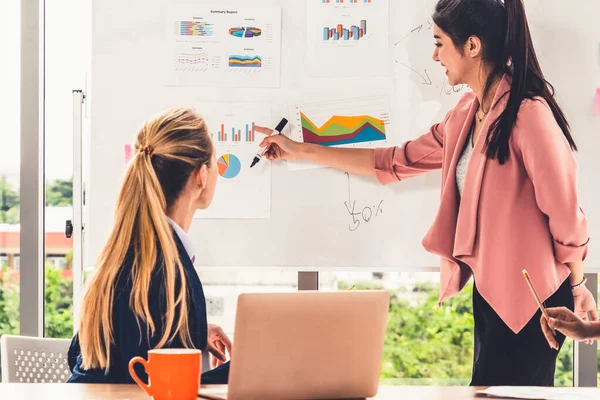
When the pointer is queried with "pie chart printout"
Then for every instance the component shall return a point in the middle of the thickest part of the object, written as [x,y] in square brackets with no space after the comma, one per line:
[229,166]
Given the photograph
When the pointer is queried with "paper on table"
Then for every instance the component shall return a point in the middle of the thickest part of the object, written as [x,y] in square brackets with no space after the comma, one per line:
[539,393]
[214,393]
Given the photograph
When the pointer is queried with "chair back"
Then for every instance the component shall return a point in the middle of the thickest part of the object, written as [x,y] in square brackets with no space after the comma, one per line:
[27,359]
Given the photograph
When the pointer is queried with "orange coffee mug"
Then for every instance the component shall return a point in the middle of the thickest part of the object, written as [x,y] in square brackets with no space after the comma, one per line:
[172,373]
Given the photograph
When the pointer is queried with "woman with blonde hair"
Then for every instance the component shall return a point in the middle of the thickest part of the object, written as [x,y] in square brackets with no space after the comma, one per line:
[145,293]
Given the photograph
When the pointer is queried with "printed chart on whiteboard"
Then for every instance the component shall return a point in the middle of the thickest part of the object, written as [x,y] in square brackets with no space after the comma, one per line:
[347,38]
[241,192]
[234,46]
[360,122]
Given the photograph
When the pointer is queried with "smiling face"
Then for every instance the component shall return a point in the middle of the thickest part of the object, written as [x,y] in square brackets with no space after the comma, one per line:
[460,66]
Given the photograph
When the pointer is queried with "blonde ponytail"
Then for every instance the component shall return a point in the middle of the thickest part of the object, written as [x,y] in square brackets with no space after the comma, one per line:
[171,147]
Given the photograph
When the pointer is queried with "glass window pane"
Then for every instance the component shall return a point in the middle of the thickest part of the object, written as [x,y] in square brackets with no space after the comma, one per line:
[65,71]
[222,289]
[10,151]
[425,344]
[563,375]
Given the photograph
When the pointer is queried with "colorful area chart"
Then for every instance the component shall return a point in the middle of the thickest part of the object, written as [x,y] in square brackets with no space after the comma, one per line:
[245,61]
[229,166]
[340,130]
[245,32]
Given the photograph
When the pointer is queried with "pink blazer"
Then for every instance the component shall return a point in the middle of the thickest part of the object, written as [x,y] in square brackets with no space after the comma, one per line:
[524,214]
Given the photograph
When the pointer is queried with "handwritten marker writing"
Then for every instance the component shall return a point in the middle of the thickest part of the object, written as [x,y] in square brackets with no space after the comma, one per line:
[277,131]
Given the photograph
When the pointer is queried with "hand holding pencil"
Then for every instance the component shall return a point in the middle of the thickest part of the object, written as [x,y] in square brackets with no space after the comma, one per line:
[561,319]
[569,324]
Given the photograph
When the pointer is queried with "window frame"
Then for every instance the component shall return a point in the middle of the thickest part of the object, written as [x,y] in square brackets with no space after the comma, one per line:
[32,169]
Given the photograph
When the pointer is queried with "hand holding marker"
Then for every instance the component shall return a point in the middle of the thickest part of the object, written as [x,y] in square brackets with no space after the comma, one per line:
[277,131]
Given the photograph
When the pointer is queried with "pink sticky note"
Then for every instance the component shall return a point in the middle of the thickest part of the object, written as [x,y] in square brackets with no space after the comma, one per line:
[598,101]
[128,153]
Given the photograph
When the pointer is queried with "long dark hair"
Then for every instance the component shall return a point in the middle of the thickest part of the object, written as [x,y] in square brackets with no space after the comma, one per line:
[507,46]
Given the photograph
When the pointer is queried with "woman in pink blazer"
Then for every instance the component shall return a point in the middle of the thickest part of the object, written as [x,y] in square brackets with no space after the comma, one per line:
[509,188]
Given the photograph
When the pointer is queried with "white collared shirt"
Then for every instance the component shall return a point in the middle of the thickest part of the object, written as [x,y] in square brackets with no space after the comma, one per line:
[185,239]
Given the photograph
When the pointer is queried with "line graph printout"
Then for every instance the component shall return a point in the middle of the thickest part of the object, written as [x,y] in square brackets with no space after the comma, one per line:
[241,192]
[347,39]
[223,45]
[360,122]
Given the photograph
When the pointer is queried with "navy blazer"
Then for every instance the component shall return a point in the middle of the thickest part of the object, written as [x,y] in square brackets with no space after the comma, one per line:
[132,340]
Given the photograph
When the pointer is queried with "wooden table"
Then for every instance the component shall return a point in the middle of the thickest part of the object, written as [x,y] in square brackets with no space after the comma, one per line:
[71,391]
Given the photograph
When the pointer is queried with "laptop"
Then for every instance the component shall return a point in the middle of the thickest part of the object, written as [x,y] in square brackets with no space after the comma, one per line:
[306,345]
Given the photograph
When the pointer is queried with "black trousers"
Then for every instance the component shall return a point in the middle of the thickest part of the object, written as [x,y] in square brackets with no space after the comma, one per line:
[503,358]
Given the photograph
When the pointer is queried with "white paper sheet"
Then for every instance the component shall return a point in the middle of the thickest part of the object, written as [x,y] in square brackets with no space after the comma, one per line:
[226,46]
[545,393]
[242,192]
[359,123]
[348,38]
[213,393]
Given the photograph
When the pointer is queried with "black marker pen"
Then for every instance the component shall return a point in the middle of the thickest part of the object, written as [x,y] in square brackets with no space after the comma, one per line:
[277,131]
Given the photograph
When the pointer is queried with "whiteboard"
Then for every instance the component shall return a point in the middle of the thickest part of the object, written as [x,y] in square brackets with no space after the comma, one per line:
[311,224]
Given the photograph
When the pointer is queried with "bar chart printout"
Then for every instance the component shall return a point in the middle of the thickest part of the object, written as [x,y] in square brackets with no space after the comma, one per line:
[347,38]
[355,32]
[241,191]
[237,133]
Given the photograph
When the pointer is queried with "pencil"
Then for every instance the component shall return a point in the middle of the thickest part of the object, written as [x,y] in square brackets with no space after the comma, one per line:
[535,295]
